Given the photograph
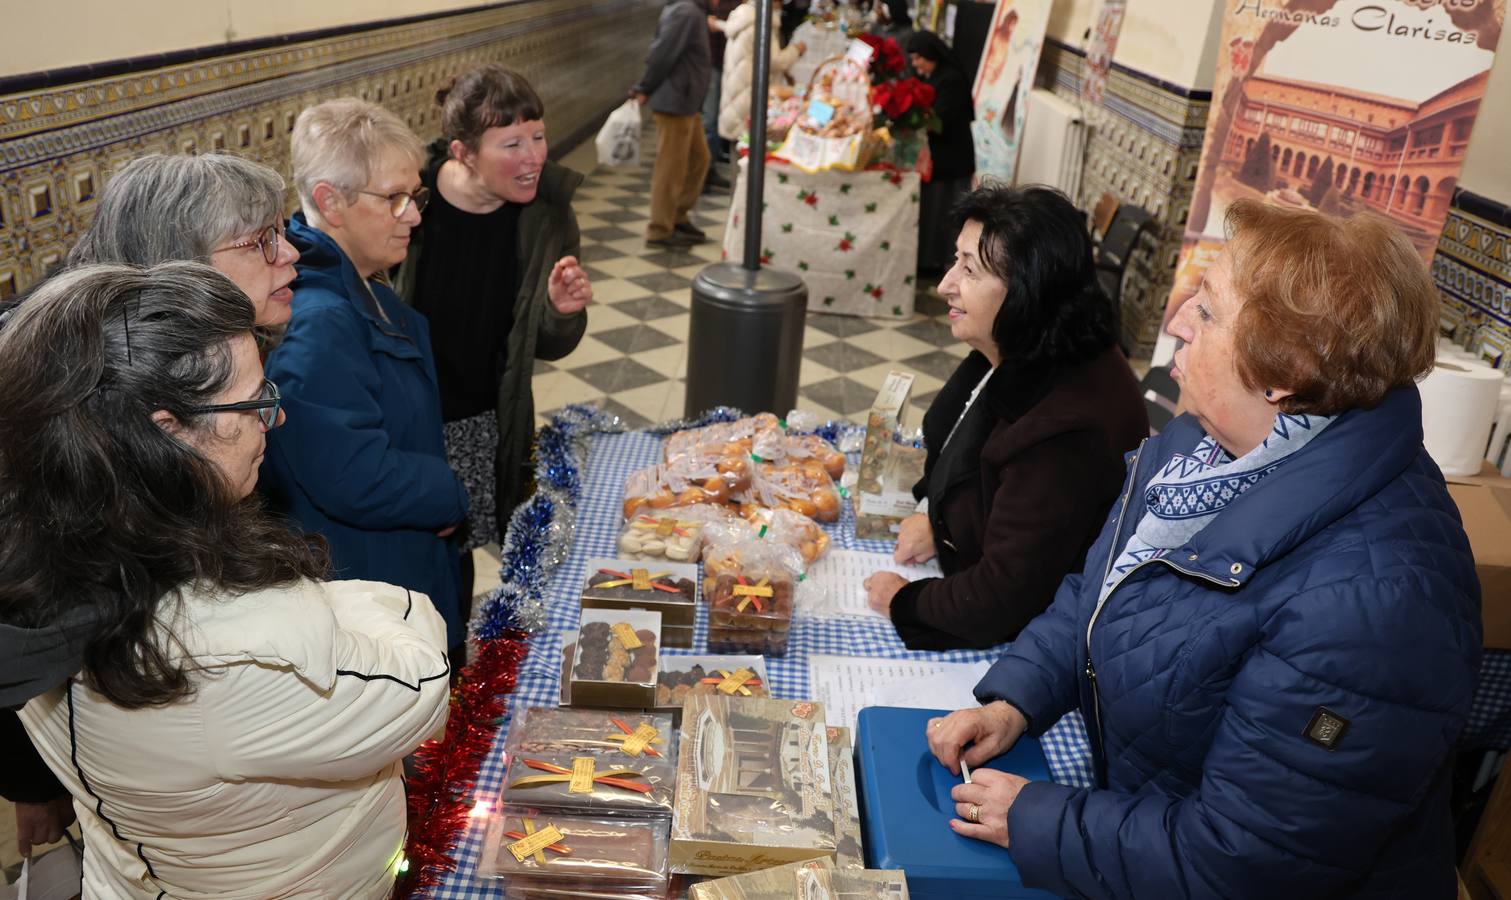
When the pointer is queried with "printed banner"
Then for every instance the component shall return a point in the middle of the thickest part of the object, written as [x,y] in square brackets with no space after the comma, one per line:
[1099,49]
[1342,106]
[1008,63]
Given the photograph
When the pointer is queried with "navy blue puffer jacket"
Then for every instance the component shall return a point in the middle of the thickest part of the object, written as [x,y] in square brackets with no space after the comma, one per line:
[1341,581]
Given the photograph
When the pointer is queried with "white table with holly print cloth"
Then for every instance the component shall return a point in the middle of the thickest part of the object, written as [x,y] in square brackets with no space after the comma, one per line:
[851,236]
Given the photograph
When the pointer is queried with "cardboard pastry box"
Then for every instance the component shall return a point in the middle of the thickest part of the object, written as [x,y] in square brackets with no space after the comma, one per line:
[1484,502]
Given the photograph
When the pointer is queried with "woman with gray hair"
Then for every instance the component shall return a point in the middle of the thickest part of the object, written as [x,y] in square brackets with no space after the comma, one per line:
[362,461]
[214,208]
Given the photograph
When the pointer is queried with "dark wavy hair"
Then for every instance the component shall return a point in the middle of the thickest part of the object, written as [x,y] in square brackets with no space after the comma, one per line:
[1035,240]
[489,96]
[101,509]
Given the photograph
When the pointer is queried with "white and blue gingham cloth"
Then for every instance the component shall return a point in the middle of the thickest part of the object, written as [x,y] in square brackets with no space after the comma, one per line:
[610,458]
[613,456]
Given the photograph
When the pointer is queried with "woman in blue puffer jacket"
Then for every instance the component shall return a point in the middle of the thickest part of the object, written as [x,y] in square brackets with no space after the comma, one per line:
[1275,639]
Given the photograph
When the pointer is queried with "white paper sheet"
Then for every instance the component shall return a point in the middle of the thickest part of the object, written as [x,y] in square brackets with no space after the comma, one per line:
[848,684]
[841,576]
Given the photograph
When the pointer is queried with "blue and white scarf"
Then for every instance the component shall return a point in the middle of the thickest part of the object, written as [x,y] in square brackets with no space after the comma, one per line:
[1193,488]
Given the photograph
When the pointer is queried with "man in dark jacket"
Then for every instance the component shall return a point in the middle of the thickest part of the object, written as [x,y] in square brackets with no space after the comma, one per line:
[675,82]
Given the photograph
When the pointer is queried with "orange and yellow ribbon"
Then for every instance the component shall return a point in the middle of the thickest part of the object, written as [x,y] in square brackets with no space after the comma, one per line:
[734,682]
[535,843]
[639,579]
[636,740]
[752,593]
[612,778]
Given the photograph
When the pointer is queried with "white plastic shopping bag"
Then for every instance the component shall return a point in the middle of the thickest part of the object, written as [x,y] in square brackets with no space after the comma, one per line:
[619,139]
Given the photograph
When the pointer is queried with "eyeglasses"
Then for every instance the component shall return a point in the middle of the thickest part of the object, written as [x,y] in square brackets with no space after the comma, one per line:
[398,201]
[266,406]
[266,241]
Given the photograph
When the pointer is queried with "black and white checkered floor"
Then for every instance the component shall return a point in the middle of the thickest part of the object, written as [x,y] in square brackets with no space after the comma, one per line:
[633,360]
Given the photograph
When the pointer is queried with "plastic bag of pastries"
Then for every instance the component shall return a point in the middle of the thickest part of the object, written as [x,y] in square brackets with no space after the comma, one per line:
[761,435]
[811,446]
[786,526]
[803,486]
[688,481]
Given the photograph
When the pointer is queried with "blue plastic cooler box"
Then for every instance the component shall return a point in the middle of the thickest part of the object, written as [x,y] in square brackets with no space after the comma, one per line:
[906,810]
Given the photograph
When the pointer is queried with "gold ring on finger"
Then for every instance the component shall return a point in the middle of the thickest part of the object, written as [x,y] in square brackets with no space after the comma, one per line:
[974,813]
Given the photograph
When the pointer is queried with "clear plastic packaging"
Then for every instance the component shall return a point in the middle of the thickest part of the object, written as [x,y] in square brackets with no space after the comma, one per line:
[684,675]
[633,770]
[615,663]
[785,526]
[587,856]
[807,880]
[668,588]
[753,785]
[661,536]
[803,486]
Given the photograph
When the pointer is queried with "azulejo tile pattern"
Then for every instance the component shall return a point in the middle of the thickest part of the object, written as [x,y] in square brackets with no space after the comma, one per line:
[59,144]
[1144,148]
[633,360]
[1472,269]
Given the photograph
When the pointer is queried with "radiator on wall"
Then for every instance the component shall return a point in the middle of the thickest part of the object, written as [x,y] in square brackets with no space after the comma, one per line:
[1054,143]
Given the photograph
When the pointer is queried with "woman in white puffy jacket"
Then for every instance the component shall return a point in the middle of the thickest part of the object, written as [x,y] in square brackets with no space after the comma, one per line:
[734,91]
[228,724]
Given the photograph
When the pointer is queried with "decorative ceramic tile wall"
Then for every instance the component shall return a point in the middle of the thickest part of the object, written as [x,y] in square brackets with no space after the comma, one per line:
[1472,269]
[1144,147]
[58,144]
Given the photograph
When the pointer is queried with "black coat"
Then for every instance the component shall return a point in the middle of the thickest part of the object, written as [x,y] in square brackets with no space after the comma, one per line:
[1018,495]
[953,153]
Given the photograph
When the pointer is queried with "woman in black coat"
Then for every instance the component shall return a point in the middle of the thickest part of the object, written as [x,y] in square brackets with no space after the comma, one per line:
[1026,439]
[951,149]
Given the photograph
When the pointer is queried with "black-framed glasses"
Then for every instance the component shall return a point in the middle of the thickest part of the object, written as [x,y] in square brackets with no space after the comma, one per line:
[398,201]
[266,241]
[266,405]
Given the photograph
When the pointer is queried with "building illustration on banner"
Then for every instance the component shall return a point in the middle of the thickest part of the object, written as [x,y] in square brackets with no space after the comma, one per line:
[1343,107]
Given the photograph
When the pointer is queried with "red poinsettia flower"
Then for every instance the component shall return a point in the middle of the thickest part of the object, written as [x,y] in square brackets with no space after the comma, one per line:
[811,199]
[877,292]
[886,58]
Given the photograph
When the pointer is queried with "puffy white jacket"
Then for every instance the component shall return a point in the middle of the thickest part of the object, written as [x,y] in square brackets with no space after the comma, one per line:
[280,775]
[734,90]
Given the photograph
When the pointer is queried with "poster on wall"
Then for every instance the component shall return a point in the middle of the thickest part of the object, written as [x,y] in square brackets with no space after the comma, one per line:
[1006,75]
[1106,25]
[1342,106]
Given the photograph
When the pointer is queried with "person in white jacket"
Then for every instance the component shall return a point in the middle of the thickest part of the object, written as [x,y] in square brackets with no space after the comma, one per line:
[228,725]
[734,94]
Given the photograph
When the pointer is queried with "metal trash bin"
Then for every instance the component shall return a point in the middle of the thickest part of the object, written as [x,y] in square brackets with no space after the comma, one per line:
[745,339]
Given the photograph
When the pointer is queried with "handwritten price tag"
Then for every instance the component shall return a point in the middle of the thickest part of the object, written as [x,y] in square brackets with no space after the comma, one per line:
[639,739]
[527,847]
[626,635]
[582,776]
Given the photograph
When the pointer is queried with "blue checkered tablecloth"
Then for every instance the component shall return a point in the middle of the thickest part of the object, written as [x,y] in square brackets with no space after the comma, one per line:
[613,456]
[610,458]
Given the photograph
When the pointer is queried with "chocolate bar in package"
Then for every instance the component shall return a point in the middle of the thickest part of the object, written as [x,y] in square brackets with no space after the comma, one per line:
[591,761]
[545,854]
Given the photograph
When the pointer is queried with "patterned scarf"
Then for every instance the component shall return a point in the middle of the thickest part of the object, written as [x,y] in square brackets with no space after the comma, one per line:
[1194,488]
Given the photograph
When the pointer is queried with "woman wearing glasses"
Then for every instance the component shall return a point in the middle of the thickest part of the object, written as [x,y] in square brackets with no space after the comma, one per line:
[215,208]
[494,270]
[228,723]
[362,461]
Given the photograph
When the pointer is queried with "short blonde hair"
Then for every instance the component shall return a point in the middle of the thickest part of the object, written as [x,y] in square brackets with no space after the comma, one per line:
[340,142]
[1338,311]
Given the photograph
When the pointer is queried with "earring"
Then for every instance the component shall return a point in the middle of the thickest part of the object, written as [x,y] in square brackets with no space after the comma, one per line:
[1269,393]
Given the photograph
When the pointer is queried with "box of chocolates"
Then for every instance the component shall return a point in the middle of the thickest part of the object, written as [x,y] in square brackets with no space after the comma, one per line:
[739,640]
[804,881]
[736,676]
[668,588]
[615,659]
[661,536]
[850,846]
[753,785]
[542,853]
[591,760]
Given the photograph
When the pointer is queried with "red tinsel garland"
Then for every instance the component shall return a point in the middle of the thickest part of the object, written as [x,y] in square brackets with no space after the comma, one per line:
[445,772]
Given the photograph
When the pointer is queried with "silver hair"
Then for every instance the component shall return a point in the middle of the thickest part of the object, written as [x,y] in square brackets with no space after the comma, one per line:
[160,208]
[340,142]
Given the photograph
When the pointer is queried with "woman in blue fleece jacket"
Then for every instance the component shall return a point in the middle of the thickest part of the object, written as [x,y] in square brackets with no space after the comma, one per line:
[1275,639]
[363,462]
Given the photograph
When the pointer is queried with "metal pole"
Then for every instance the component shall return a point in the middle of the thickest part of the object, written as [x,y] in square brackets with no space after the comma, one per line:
[755,164]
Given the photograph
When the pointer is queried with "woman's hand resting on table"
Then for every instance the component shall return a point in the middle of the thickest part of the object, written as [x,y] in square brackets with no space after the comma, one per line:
[915,540]
[881,587]
[977,736]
